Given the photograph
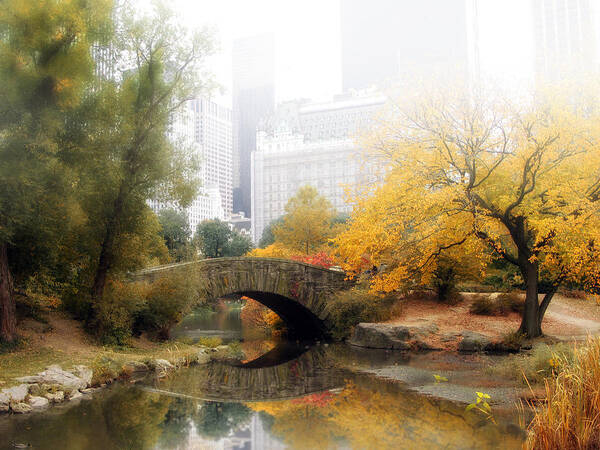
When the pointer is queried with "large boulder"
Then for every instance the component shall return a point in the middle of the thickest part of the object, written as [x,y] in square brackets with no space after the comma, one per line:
[83,372]
[38,402]
[380,335]
[473,342]
[15,394]
[55,375]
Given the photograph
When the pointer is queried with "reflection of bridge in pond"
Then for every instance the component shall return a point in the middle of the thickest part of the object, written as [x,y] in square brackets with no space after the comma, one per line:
[310,373]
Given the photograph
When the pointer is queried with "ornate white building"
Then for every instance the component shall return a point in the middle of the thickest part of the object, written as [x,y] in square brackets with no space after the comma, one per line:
[310,144]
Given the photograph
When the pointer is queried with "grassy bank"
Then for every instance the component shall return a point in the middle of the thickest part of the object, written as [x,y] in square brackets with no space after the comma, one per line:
[62,341]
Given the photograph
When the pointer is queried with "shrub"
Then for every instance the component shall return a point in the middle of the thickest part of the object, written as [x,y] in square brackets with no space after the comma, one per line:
[510,302]
[444,283]
[482,305]
[503,304]
[211,342]
[350,307]
[113,316]
[167,300]
[571,417]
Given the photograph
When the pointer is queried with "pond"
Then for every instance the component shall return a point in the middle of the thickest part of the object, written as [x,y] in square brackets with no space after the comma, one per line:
[289,395]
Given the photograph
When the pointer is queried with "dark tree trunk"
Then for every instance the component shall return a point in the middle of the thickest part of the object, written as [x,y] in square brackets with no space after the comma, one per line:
[104,264]
[8,313]
[106,259]
[531,321]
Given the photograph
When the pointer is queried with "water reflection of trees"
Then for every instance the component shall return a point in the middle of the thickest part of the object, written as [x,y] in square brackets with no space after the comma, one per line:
[383,416]
[216,420]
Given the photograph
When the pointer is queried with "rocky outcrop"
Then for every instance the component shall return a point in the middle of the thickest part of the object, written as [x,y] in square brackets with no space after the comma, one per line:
[473,342]
[37,392]
[55,375]
[15,394]
[392,337]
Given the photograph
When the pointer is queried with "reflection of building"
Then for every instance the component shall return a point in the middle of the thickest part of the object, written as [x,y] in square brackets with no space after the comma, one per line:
[566,37]
[383,40]
[310,144]
[250,436]
[253,98]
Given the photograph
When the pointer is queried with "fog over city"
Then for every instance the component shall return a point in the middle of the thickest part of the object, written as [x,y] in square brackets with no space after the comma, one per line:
[299,224]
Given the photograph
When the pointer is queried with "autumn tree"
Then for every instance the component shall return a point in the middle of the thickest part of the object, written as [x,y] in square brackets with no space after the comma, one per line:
[45,69]
[306,225]
[469,174]
[136,159]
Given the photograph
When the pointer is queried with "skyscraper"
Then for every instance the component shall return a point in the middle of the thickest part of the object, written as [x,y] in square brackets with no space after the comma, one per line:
[385,40]
[203,129]
[253,98]
[213,132]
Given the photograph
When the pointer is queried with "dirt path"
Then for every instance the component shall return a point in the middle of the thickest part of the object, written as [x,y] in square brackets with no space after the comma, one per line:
[566,318]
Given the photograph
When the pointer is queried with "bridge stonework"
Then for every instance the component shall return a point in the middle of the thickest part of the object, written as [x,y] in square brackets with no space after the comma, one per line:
[296,291]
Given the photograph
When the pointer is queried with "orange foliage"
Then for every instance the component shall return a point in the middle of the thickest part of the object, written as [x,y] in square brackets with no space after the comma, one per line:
[320,259]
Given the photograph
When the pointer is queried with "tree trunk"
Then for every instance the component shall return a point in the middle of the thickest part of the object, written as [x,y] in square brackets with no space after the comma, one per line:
[530,323]
[105,261]
[8,310]
[104,264]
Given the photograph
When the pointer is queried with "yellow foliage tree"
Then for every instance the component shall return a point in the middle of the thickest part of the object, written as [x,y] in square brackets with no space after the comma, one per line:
[307,223]
[468,171]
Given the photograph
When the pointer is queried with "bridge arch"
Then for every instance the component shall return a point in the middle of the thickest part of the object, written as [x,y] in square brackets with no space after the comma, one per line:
[296,291]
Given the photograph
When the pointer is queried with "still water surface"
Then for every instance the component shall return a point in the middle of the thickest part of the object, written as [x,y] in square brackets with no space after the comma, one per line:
[291,396]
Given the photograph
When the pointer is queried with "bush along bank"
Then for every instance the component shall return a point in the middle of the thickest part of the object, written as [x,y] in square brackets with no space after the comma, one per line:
[56,385]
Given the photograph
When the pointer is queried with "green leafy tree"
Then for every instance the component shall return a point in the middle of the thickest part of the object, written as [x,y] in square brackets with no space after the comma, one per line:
[137,159]
[267,237]
[176,233]
[213,238]
[45,68]
[307,221]
[239,244]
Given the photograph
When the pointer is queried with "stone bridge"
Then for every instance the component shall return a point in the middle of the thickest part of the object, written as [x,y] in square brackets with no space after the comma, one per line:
[296,291]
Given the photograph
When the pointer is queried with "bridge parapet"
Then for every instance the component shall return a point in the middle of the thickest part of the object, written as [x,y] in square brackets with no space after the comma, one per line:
[297,291]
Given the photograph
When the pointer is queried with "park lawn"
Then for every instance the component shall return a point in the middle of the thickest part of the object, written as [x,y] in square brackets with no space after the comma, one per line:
[62,341]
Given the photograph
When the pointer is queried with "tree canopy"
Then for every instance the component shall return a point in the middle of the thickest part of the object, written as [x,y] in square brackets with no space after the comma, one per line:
[469,173]
[216,240]
[306,225]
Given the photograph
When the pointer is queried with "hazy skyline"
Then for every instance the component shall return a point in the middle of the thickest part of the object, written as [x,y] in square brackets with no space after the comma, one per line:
[308,47]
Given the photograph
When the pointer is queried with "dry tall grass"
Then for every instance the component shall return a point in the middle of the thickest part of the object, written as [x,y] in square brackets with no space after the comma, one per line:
[571,417]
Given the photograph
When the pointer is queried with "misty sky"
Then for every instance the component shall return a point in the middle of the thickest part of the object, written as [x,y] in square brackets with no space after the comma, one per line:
[308,40]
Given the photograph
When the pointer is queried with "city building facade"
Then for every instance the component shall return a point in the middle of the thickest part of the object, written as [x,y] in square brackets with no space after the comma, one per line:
[311,144]
[204,129]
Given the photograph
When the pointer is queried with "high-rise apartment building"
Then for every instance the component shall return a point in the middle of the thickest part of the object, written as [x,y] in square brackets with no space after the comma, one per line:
[387,40]
[203,129]
[566,37]
[253,99]
[310,144]
[212,130]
